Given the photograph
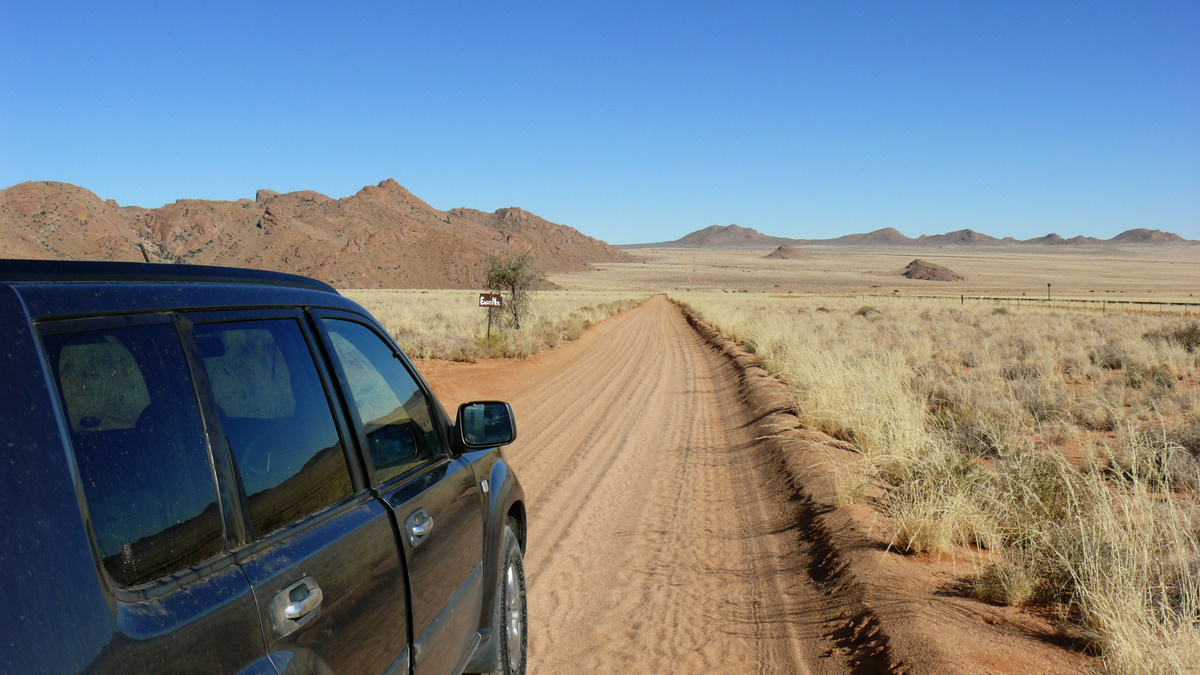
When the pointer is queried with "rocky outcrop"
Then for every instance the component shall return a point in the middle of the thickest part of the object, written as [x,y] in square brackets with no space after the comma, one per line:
[919,269]
[382,236]
[786,252]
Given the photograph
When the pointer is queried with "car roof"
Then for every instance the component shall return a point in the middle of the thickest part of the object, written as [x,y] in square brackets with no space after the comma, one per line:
[62,288]
[98,271]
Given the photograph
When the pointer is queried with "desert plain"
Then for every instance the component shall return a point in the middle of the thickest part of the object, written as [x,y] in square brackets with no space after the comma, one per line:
[1145,272]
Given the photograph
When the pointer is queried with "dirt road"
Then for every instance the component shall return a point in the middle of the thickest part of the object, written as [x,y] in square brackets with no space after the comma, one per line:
[659,540]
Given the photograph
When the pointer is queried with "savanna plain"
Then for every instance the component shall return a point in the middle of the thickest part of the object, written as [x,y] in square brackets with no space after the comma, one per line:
[738,464]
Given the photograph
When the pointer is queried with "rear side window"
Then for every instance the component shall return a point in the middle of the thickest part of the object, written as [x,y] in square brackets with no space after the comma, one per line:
[276,418]
[139,445]
[396,417]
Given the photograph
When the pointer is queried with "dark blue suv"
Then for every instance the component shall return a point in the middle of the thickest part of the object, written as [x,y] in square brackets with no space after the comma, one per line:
[211,470]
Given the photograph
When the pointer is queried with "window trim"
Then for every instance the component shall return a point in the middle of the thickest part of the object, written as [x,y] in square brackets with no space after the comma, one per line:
[319,317]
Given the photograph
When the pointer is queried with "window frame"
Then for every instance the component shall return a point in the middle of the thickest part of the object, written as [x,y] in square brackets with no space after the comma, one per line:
[253,541]
[225,500]
[319,317]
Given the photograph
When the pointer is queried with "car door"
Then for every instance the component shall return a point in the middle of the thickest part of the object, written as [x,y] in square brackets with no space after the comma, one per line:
[435,496]
[320,550]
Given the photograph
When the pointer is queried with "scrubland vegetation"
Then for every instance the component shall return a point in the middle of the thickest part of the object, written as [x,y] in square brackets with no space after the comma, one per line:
[450,325]
[1063,445]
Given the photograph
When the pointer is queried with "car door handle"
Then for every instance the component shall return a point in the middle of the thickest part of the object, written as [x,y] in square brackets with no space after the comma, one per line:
[418,525]
[296,606]
[309,603]
[422,528]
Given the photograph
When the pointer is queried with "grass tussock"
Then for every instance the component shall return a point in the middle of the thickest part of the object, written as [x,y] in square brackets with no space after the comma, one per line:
[1065,444]
[449,324]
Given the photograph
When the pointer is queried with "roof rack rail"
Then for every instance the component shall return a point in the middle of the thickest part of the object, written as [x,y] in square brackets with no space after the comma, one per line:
[96,271]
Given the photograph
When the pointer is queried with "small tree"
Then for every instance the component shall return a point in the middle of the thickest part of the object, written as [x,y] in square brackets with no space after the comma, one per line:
[513,275]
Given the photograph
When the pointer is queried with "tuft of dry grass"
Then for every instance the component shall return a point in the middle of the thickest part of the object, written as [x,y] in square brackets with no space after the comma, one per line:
[449,324]
[968,417]
[1006,583]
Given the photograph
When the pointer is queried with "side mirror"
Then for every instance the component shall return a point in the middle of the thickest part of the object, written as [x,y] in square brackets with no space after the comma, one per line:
[485,424]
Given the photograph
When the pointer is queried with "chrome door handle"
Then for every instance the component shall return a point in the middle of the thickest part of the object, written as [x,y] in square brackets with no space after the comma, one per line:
[422,528]
[308,604]
[296,606]
[417,526]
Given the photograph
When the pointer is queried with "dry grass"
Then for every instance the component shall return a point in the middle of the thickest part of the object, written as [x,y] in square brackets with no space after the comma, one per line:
[449,324]
[1064,441]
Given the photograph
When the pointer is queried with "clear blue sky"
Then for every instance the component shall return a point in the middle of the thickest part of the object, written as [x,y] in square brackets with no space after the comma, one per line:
[631,121]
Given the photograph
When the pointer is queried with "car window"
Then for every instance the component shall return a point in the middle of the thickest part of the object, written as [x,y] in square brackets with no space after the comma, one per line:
[139,445]
[276,419]
[396,417]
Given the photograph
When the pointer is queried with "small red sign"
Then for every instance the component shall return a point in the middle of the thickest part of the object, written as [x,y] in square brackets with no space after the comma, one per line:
[491,300]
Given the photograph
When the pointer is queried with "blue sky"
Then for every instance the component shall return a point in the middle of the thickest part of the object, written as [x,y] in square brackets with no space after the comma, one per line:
[631,121]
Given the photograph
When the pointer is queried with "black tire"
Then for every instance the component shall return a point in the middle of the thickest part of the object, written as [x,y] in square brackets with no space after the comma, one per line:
[512,619]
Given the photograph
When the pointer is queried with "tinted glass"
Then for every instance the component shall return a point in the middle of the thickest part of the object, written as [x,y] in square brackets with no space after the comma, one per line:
[139,445]
[276,418]
[396,417]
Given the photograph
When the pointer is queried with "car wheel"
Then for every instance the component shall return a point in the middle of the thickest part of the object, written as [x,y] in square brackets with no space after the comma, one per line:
[511,617]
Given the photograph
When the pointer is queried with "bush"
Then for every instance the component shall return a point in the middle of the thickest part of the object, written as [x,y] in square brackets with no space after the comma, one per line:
[515,276]
[1110,356]
[1185,335]
[939,499]
[1146,457]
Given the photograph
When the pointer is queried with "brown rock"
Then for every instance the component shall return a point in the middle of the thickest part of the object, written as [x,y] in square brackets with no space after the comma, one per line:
[919,269]
[786,252]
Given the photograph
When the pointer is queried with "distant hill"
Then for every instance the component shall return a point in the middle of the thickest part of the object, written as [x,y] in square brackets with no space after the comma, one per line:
[1051,239]
[720,236]
[732,236]
[919,269]
[786,252]
[887,235]
[958,238]
[1143,236]
[382,236]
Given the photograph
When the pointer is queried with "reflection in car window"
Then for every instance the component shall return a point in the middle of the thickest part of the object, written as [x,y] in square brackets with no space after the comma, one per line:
[396,418]
[139,445]
[276,418]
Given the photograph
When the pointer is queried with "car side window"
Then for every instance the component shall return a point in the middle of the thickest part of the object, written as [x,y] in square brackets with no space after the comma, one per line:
[276,419]
[396,417]
[139,446]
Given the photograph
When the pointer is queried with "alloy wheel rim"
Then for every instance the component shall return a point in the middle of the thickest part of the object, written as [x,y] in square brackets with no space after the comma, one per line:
[513,623]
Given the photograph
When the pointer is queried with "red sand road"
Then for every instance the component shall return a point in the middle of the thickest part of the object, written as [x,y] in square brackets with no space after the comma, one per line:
[659,541]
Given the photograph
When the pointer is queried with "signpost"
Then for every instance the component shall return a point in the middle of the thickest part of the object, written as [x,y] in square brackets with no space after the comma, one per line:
[491,301]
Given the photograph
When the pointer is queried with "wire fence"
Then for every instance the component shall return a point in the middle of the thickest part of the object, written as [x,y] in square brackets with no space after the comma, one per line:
[1179,307]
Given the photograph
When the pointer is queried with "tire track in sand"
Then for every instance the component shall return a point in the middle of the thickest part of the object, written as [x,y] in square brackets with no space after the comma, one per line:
[658,541]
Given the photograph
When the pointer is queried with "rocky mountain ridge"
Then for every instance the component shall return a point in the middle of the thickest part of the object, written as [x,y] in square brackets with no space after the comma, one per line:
[381,237]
